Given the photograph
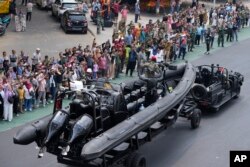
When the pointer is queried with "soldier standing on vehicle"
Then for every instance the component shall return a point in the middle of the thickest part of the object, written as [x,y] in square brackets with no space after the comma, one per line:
[221,32]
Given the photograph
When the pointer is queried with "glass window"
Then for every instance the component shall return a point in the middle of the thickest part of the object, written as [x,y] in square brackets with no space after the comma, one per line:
[77,17]
[69,5]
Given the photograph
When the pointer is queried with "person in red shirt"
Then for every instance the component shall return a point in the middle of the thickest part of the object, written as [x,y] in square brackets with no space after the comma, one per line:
[115,9]
[183,46]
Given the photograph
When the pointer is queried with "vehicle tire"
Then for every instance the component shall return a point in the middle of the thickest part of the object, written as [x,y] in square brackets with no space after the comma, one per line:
[195,118]
[135,160]
[199,91]
[85,31]
[237,92]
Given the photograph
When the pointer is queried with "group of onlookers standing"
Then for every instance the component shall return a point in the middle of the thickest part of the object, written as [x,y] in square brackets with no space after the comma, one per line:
[31,81]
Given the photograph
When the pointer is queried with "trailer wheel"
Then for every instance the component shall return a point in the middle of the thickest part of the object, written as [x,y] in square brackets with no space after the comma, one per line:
[195,118]
[136,160]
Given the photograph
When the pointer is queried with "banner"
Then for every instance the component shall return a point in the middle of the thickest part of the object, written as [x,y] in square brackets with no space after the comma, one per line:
[4,6]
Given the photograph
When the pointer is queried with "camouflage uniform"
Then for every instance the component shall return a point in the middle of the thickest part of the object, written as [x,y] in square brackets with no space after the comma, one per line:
[99,21]
[192,36]
[221,33]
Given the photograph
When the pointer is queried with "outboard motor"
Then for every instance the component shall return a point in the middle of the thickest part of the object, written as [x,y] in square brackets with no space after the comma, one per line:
[80,130]
[55,126]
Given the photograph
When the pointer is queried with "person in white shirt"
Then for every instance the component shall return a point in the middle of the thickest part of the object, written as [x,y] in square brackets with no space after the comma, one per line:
[36,58]
[158,55]
[29,10]
[8,93]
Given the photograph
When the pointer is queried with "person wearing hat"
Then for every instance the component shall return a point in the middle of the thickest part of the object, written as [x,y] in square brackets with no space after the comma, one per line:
[36,58]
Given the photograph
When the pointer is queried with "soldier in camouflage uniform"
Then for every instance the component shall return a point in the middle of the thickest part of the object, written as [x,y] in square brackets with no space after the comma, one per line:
[221,32]
[122,27]
[192,40]
[99,21]
[131,26]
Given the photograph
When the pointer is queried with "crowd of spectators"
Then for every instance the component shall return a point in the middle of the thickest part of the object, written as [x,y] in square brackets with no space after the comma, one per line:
[28,82]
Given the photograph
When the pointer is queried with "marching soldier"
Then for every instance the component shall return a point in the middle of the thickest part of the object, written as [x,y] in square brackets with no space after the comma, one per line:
[192,39]
[99,20]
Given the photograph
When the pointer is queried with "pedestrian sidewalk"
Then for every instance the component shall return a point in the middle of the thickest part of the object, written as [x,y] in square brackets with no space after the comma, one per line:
[108,32]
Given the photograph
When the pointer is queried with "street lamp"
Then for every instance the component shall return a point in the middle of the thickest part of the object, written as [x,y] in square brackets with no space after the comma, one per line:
[214,3]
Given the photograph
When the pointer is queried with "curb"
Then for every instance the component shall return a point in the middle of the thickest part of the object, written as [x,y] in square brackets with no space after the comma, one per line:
[91,32]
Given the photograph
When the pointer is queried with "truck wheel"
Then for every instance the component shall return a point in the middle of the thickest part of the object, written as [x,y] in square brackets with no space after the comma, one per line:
[195,118]
[85,31]
[136,160]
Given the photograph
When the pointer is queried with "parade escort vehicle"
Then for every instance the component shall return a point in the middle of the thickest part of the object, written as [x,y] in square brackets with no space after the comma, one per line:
[215,85]
[105,124]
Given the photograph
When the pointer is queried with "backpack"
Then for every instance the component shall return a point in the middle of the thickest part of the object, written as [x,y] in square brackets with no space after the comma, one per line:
[11,99]
[32,93]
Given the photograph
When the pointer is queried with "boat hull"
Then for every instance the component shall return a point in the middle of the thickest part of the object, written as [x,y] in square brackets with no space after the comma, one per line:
[142,120]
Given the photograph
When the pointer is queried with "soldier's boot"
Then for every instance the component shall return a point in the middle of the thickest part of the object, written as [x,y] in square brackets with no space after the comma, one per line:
[98,29]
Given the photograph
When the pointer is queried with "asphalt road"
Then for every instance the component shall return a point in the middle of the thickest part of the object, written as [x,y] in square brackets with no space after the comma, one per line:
[178,146]
[43,31]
